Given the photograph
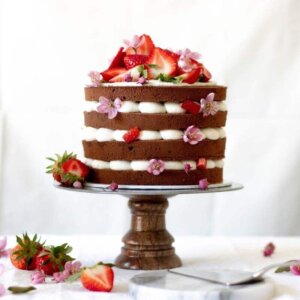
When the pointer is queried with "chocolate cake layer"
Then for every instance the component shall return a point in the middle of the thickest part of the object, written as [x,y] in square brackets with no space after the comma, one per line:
[172,150]
[154,121]
[149,93]
[168,177]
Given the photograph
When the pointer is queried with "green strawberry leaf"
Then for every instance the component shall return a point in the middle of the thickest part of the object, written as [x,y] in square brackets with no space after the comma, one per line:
[21,289]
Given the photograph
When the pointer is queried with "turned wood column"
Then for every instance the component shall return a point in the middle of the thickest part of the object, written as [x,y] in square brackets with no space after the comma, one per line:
[148,245]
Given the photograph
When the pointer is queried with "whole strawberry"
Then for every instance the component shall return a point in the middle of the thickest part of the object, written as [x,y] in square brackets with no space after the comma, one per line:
[67,169]
[23,255]
[99,278]
[53,259]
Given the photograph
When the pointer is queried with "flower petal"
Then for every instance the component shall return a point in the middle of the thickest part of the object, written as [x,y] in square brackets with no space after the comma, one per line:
[3,243]
[210,97]
[203,184]
[112,113]
[2,290]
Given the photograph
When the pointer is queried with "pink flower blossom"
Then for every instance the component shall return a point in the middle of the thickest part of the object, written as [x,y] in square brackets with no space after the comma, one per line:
[142,80]
[2,290]
[61,276]
[113,186]
[69,269]
[2,268]
[187,168]
[38,277]
[203,184]
[73,267]
[77,184]
[96,78]
[209,106]
[156,166]
[127,77]
[135,42]
[295,269]
[193,135]
[185,59]
[3,252]
[109,107]
[269,249]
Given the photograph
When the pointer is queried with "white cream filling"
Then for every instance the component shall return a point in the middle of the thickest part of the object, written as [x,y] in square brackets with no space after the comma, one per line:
[105,135]
[142,165]
[148,107]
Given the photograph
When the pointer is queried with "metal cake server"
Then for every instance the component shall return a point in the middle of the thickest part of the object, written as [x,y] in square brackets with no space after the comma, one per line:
[229,277]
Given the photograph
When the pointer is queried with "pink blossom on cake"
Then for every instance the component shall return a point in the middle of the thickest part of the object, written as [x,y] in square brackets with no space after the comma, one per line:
[187,168]
[209,106]
[186,58]
[96,78]
[203,184]
[134,43]
[193,135]
[156,166]
[109,107]
[142,80]
[113,186]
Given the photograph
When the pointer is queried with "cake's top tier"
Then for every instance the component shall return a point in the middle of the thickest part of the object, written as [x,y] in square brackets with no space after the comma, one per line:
[152,93]
[143,63]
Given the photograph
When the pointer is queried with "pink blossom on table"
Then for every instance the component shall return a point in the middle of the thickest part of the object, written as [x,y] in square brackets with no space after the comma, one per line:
[61,276]
[135,42]
[142,80]
[295,269]
[113,186]
[269,249]
[38,277]
[2,290]
[73,267]
[156,166]
[77,184]
[96,78]
[185,59]
[187,168]
[193,135]
[127,77]
[3,252]
[2,269]
[203,184]
[109,107]
[209,106]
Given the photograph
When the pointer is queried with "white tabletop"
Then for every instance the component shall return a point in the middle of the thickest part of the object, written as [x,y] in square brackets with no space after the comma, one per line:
[242,253]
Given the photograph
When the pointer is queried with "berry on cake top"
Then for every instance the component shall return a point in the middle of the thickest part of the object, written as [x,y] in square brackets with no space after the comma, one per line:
[141,60]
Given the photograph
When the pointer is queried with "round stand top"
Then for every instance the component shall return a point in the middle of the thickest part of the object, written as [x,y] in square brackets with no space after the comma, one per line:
[153,190]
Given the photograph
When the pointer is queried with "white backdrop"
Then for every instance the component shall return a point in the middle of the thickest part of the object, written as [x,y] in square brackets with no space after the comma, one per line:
[48,47]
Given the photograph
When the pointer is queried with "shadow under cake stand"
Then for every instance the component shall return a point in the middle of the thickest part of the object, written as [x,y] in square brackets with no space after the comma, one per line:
[148,244]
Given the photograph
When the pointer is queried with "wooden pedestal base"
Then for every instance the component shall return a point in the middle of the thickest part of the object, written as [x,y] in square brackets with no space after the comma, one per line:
[148,245]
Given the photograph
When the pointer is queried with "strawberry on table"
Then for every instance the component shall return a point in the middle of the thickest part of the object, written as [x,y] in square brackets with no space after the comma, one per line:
[161,62]
[23,255]
[191,106]
[53,259]
[99,278]
[131,135]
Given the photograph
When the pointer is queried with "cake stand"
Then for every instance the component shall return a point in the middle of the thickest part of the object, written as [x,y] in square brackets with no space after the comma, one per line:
[148,244]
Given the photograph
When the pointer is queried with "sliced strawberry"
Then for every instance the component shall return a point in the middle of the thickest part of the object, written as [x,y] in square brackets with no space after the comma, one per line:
[99,278]
[205,75]
[163,62]
[131,135]
[134,73]
[191,77]
[133,60]
[145,48]
[191,106]
[201,164]
[113,72]
[75,167]
[147,45]
[117,61]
